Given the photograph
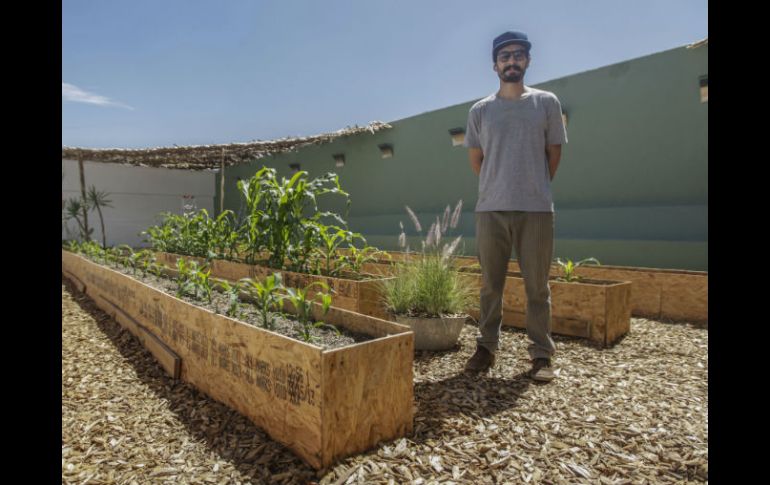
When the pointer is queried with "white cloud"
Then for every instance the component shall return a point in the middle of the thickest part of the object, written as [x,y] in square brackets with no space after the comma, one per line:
[70,92]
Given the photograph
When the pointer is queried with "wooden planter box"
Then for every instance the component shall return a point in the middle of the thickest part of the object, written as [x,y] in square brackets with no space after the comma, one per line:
[597,310]
[322,404]
[678,295]
[360,296]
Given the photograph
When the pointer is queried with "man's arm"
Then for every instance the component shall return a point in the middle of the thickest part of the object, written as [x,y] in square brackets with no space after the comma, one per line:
[554,155]
[476,157]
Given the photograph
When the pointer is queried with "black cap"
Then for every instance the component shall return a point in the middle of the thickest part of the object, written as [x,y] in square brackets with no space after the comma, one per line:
[506,38]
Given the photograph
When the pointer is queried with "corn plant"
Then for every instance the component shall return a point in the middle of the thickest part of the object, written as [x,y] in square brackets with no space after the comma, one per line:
[184,278]
[233,301]
[332,238]
[145,259]
[129,256]
[267,294]
[568,267]
[73,246]
[277,217]
[203,282]
[154,268]
[358,257]
[304,305]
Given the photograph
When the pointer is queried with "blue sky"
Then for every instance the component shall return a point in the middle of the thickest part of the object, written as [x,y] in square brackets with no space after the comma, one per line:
[165,72]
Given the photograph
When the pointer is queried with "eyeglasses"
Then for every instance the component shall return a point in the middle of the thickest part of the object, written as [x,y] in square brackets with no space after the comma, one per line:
[518,55]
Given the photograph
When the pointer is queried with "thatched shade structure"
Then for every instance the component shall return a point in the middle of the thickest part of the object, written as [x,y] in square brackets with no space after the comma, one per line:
[700,43]
[202,157]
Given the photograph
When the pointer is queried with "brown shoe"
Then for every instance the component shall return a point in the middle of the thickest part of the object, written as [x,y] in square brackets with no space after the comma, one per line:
[542,370]
[481,361]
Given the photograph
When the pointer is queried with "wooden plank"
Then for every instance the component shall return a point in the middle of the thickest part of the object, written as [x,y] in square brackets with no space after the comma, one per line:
[369,395]
[685,298]
[559,325]
[359,323]
[170,362]
[618,313]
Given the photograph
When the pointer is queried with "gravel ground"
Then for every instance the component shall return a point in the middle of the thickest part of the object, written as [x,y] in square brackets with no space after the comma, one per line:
[636,413]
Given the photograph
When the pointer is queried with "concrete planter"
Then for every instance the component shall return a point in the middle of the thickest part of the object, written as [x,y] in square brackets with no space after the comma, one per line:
[436,333]
[322,404]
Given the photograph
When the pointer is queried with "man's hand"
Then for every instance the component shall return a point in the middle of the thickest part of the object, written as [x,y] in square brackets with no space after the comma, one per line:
[476,157]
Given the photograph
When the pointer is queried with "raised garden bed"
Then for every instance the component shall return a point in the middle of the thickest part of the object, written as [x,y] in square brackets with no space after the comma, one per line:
[322,404]
[678,295]
[598,310]
[360,296]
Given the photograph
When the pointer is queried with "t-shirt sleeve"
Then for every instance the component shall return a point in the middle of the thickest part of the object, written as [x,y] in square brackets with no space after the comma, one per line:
[556,132]
[473,130]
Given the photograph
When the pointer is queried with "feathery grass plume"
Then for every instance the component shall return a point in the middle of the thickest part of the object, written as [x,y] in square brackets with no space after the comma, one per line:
[438,231]
[431,235]
[402,236]
[456,215]
[445,220]
[449,249]
[412,216]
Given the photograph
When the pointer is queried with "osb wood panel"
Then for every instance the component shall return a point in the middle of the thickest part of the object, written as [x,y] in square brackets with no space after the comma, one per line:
[559,325]
[370,298]
[358,322]
[273,380]
[685,297]
[370,395]
[618,313]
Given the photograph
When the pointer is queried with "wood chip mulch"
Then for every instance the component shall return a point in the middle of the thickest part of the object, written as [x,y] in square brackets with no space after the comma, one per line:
[635,413]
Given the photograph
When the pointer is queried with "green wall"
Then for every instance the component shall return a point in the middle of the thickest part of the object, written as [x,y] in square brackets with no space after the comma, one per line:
[632,185]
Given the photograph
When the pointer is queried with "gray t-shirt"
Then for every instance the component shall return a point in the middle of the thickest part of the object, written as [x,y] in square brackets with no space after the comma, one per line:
[513,135]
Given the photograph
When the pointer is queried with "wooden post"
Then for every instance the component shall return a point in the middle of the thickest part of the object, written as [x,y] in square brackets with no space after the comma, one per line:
[222,184]
[83,194]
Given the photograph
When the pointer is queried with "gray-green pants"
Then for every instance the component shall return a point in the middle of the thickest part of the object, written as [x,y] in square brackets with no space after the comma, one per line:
[530,234]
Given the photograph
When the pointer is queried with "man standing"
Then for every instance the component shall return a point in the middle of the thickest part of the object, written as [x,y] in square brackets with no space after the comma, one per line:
[514,138]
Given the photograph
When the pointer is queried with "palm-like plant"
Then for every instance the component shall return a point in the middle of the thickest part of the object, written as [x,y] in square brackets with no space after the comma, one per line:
[98,199]
[73,209]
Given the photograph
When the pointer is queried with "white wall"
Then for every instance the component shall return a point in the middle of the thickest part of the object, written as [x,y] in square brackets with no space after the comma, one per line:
[138,195]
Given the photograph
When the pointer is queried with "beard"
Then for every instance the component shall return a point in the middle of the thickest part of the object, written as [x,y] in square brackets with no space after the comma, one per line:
[512,75]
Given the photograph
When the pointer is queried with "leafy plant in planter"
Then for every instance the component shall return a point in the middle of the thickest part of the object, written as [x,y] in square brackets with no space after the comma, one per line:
[193,280]
[233,301]
[568,268]
[303,305]
[267,295]
[278,220]
[427,292]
